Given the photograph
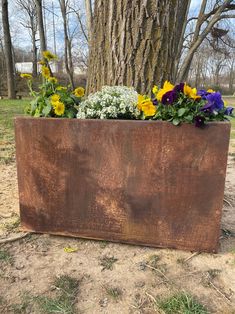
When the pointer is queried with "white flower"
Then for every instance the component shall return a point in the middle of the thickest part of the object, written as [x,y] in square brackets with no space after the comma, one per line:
[110,102]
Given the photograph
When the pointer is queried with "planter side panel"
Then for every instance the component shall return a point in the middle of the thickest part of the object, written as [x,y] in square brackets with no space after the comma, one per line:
[130,181]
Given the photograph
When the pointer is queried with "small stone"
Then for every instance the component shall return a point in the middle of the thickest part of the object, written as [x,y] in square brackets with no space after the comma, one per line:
[103,302]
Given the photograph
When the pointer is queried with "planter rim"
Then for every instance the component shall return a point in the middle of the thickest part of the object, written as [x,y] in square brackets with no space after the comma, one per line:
[119,120]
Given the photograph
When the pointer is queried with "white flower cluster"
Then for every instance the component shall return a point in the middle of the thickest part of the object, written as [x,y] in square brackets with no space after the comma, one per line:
[110,103]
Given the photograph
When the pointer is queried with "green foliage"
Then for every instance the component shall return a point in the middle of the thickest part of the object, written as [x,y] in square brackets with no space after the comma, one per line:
[181,303]
[6,257]
[107,262]
[67,288]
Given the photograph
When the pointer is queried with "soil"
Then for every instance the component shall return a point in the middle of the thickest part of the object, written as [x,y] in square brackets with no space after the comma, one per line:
[142,275]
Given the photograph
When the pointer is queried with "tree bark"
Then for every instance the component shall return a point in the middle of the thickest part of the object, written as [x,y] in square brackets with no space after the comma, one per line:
[88,7]
[43,45]
[8,51]
[134,42]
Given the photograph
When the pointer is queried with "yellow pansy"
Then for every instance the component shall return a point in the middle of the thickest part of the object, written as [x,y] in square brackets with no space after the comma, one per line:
[191,92]
[46,72]
[49,55]
[52,80]
[26,76]
[210,90]
[79,92]
[55,98]
[167,86]
[146,105]
[155,90]
[59,108]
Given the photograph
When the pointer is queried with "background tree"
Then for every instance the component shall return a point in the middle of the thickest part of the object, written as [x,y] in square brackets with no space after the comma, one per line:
[43,45]
[8,51]
[64,5]
[29,21]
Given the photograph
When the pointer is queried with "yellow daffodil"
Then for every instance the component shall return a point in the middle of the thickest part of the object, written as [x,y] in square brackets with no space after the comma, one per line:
[62,88]
[55,98]
[145,104]
[46,72]
[191,92]
[49,55]
[155,90]
[79,92]
[53,80]
[59,108]
[26,76]
[210,90]
[167,86]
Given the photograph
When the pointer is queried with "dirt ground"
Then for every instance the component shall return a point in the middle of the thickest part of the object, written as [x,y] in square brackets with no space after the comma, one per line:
[113,278]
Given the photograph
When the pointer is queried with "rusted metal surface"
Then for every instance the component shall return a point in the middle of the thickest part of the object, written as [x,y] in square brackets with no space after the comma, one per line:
[140,182]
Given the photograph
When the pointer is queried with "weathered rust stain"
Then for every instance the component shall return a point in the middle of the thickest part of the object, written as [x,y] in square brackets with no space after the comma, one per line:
[140,182]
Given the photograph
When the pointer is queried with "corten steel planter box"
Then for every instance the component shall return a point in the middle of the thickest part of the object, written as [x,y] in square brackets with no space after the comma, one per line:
[141,182]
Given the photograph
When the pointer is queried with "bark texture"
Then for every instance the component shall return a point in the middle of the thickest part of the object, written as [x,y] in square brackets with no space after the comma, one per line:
[134,42]
[8,51]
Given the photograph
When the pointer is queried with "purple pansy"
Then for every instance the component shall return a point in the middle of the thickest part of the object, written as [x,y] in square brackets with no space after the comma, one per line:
[228,111]
[179,88]
[155,102]
[214,102]
[203,93]
[169,97]
[199,121]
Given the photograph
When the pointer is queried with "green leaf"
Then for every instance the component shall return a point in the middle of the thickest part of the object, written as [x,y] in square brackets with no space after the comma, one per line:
[181,112]
[176,121]
[46,110]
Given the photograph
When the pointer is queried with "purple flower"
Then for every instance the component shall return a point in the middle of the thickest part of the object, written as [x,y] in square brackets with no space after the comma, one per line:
[169,97]
[179,88]
[203,93]
[199,121]
[228,111]
[155,102]
[214,103]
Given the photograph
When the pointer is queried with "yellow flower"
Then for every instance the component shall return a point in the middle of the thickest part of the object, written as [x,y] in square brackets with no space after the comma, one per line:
[191,92]
[53,80]
[55,98]
[155,90]
[167,86]
[49,55]
[26,76]
[59,108]
[46,72]
[145,104]
[79,92]
[61,88]
[210,90]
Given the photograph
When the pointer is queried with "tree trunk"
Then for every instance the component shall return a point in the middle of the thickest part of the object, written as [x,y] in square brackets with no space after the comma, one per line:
[34,51]
[231,77]
[67,45]
[8,51]
[43,45]
[133,43]
[88,7]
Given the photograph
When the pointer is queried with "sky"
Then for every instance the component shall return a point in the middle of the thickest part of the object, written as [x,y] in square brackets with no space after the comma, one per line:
[21,36]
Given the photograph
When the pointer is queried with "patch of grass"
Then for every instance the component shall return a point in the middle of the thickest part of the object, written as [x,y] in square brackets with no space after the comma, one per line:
[181,303]
[107,262]
[13,225]
[8,110]
[6,257]
[103,244]
[154,260]
[64,301]
[114,292]
[25,305]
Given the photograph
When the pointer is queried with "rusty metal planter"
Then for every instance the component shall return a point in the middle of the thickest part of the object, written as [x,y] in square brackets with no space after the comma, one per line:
[141,182]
